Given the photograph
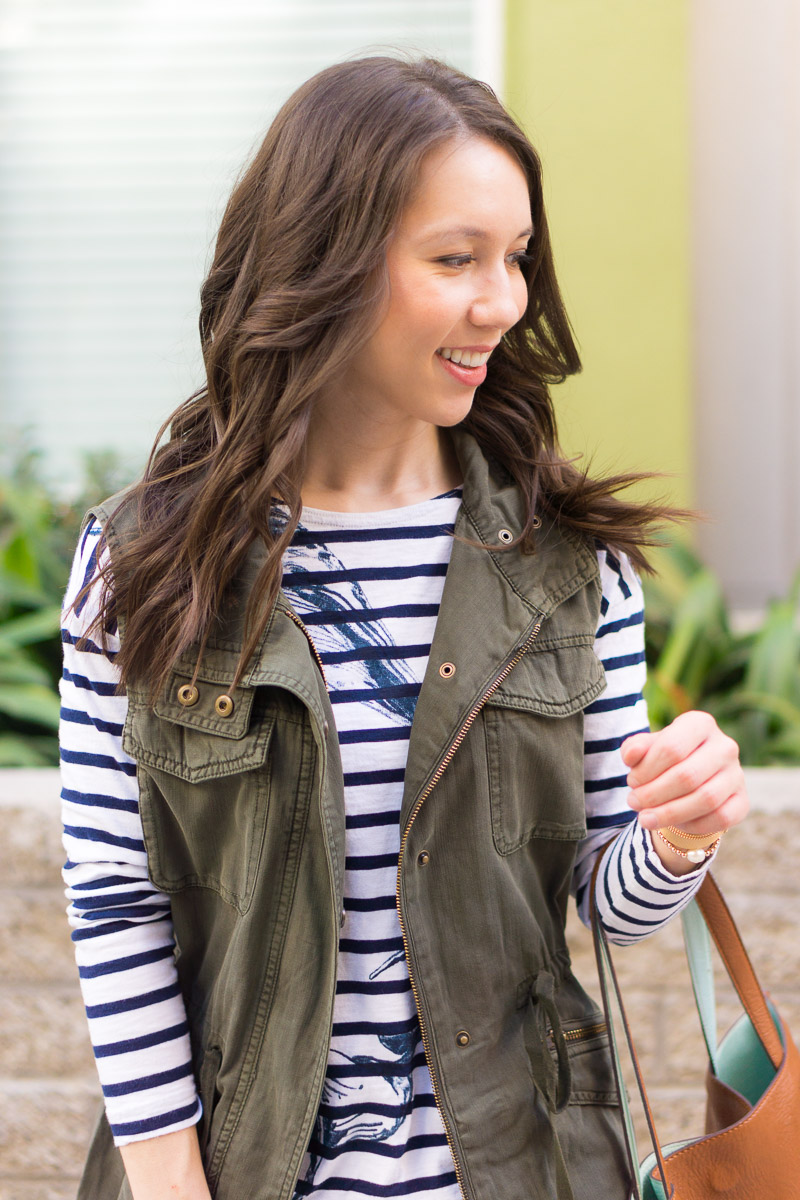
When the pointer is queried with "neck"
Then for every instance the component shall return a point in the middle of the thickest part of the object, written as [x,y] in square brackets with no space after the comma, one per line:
[363,474]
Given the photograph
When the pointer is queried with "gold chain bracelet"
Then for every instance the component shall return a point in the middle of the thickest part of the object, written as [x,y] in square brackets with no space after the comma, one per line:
[698,855]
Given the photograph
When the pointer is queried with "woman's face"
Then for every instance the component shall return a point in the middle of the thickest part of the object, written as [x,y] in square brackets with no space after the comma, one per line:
[455,288]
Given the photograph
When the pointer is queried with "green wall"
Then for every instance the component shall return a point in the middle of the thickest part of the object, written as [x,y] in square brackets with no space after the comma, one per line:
[601,87]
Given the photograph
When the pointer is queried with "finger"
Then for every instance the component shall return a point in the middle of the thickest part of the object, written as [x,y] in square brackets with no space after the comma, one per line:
[731,812]
[673,744]
[720,801]
[686,776]
[634,748]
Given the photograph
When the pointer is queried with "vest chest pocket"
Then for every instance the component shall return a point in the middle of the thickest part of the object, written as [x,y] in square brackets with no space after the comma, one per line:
[204,784]
[534,745]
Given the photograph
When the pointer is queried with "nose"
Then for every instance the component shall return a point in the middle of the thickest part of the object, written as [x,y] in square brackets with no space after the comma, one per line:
[500,299]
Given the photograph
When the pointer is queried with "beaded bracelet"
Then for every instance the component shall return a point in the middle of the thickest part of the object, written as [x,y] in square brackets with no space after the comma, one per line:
[694,856]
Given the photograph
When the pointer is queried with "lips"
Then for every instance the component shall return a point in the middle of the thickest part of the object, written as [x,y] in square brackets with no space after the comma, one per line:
[470,376]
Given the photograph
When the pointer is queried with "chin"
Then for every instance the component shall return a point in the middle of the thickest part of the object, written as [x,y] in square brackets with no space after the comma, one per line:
[454,414]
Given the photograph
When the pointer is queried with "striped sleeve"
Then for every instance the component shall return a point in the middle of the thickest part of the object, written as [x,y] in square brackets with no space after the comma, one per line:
[636,894]
[121,924]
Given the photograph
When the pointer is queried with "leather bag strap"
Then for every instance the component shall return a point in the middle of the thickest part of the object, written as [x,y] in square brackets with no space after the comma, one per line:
[608,983]
[701,969]
[726,937]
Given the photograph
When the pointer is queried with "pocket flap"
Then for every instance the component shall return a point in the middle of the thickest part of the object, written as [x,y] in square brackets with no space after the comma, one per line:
[553,680]
[216,709]
[215,734]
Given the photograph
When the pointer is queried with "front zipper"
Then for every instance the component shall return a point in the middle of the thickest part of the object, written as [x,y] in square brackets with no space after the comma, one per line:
[294,617]
[437,775]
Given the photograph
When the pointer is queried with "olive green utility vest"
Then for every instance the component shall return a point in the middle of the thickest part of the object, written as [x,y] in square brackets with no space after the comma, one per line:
[242,804]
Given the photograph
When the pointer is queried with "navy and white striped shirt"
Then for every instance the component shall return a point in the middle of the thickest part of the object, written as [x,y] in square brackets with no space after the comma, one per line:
[368,587]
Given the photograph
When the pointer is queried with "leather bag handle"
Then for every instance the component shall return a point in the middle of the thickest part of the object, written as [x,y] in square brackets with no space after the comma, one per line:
[722,928]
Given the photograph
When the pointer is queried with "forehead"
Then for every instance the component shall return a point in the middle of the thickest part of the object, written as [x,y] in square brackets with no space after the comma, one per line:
[468,187]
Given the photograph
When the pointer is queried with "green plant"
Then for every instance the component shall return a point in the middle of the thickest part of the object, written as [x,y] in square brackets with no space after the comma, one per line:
[749,681]
[37,539]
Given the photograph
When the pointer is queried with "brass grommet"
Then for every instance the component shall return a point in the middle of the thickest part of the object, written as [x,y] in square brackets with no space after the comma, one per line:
[536,522]
[423,858]
[505,535]
[447,670]
[462,1038]
[223,706]
[188,695]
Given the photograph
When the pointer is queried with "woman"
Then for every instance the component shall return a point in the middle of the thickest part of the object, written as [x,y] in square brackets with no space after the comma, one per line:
[365,875]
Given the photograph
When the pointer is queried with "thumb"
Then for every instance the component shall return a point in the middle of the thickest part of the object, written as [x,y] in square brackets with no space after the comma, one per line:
[633,749]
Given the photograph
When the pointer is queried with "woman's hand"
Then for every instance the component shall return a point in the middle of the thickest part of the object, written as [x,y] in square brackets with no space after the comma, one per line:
[687,775]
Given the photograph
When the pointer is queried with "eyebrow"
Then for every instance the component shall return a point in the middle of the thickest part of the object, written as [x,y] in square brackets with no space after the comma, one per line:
[467,231]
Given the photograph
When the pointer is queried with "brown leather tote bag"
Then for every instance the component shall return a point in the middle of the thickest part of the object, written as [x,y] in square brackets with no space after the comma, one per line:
[751,1147]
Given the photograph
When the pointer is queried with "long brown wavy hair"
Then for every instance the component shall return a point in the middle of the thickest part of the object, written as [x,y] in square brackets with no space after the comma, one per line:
[297,279]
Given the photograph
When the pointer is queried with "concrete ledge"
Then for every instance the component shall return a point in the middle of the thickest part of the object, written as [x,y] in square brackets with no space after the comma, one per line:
[30,787]
[773,789]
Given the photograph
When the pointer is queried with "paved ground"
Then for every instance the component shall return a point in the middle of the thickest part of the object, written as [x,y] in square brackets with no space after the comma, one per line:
[48,1087]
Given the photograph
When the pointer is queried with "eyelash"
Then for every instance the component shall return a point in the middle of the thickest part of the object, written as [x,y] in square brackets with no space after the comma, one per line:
[461,260]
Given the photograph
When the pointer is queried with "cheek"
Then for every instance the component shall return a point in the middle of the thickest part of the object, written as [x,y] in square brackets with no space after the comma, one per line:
[521,295]
[422,313]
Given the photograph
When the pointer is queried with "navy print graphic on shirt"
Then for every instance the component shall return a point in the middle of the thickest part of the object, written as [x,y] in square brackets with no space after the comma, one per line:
[343,1119]
[350,649]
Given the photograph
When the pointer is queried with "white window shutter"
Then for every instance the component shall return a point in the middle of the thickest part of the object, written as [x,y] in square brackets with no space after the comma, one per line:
[123,124]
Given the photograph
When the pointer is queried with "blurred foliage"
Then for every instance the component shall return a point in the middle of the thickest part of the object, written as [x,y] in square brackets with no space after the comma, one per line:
[38,533]
[749,681]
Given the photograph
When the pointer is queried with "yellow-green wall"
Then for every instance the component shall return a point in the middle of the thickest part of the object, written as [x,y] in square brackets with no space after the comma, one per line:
[601,87]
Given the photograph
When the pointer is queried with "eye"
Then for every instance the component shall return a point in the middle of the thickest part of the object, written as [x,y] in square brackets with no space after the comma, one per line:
[519,258]
[456,260]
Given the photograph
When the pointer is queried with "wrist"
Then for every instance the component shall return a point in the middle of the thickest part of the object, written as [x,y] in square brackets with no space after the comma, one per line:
[686,841]
[694,847]
[167,1165]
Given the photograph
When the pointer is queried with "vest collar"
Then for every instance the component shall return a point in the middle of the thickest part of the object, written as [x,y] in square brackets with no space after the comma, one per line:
[561,563]
[491,601]
[490,604]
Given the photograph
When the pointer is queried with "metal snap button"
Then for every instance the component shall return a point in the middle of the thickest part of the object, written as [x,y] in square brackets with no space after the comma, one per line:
[423,858]
[462,1038]
[188,695]
[223,706]
[536,522]
[505,535]
[447,670]
[341,919]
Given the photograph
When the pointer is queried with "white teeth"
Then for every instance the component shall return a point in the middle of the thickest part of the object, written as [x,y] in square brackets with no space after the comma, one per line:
[466,358]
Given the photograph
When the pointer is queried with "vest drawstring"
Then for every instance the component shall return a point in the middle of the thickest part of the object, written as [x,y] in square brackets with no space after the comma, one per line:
[553,1079]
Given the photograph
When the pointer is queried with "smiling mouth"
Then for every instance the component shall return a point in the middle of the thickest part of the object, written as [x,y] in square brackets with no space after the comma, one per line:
[465,358]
